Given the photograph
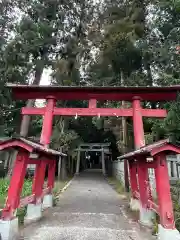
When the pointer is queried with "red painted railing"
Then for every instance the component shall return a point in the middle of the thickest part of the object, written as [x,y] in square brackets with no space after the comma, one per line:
[151,204]
[30,199]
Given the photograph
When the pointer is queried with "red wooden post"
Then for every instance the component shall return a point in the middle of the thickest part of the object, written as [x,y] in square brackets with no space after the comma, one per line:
[139,141]
[38,180]
[163,192]
[16,184]
[143,177]
[133,178]
[92,103]
[144,192]
[138,124]
[51,175]
[47,122]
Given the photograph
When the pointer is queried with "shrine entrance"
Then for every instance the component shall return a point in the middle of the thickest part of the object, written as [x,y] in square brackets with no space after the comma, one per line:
[95,156]
[138,163]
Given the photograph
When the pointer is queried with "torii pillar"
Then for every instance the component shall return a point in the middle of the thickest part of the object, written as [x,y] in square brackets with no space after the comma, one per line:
[139,177]
[78,161]
[34,210]
[103,163]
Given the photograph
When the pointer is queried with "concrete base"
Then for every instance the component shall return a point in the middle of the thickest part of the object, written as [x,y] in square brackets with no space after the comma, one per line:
[9,229]
[134,204]
[168,234]
[47,201]
[34,212]
[146,216]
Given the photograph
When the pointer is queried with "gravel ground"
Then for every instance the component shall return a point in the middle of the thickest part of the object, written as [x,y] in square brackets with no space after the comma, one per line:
[89,209]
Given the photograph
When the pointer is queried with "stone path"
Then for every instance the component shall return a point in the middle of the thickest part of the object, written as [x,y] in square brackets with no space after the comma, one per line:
[89,209]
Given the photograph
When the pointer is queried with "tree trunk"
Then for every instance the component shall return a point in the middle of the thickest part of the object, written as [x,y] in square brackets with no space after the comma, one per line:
[30,103]
[63,169]
[59,165]
[59,168]
[12,159]
[26,120]
[124,137]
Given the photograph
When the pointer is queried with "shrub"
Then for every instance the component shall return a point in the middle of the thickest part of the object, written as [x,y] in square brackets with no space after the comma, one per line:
[26,191]
[175,192]
[4,184]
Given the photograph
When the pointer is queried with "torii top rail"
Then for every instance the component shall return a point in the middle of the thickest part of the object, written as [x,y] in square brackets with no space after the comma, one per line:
[94,147]
[25,92]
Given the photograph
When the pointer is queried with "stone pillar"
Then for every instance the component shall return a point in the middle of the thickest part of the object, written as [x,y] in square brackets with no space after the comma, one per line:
[78,161]
[175,169]
[169,168]
[103,163]
[59,167]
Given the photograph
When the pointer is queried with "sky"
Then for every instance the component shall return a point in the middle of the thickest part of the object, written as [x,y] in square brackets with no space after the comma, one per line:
[45,79]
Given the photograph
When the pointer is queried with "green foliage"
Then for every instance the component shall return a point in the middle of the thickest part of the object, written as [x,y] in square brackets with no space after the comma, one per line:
[27,188]
[27,191]
[117,185]
[120,35]
[155,222]
[59,185]
[175,193]
[67,140]
[149,138]
[4,184]
[170,126]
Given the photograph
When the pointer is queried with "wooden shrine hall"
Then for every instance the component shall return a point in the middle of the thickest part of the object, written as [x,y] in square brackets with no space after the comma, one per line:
[141,197]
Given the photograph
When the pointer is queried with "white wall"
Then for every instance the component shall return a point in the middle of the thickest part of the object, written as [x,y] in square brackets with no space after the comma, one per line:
[118,170]
[173,169]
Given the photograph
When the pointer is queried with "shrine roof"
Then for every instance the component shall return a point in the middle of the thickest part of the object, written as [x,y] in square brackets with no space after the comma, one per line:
[30,146]
[153,149]
[117,93]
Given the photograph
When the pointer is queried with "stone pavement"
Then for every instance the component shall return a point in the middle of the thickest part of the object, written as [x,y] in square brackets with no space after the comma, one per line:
[89,209]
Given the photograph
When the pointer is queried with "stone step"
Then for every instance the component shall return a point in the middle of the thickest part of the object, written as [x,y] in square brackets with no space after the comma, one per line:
[79,233]
[90,220]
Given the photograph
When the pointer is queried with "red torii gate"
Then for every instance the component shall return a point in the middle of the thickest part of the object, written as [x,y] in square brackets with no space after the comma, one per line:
[94,94]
